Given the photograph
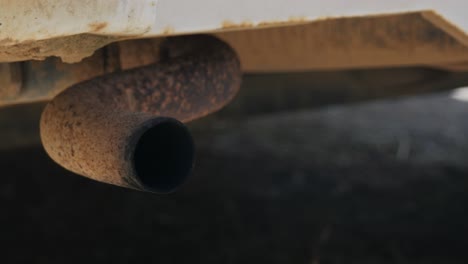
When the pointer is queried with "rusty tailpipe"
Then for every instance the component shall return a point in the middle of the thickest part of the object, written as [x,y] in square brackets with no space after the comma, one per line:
[126,128]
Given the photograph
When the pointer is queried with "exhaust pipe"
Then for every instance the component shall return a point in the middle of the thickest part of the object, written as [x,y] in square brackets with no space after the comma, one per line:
[123,128]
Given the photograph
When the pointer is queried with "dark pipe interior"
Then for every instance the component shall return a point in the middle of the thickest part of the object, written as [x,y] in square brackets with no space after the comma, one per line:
[164,156]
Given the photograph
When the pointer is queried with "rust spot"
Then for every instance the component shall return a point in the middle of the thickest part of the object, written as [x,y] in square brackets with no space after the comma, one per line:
[227,24]
[298,19]
[168,30]
[98,26]
[291,20]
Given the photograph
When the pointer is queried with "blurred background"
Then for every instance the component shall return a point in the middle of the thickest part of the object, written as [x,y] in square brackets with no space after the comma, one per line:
[300,168]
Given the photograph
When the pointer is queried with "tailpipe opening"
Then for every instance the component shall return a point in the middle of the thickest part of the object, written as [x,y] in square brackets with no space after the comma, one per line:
[164,155]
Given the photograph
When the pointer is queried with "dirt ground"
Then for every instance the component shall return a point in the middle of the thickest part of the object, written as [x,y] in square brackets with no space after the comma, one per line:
[378,182]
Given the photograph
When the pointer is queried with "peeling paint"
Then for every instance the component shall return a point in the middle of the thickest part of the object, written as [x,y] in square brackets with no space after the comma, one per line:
[70,49]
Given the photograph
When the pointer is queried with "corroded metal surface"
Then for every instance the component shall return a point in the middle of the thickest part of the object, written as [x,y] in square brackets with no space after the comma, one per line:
[419,38]
[400,40]
[93,127]
[10,80]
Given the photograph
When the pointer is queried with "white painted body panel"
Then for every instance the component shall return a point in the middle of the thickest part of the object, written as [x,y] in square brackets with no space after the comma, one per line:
[32,20]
